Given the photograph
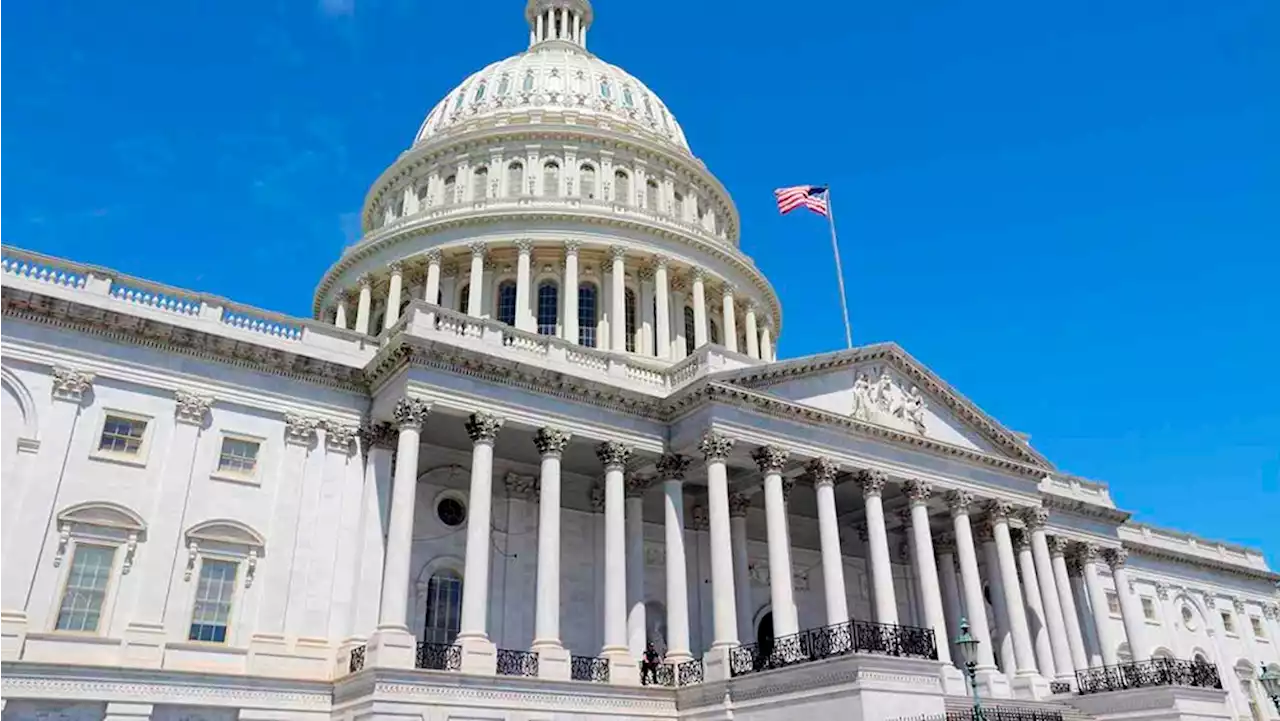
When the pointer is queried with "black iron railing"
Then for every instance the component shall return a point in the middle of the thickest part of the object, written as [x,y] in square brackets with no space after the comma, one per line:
[1141,674]
[589,668]
[1059,687]
[673,674]
[438,656]
[1004,713]
[357,659]
[842,638]
[517,663]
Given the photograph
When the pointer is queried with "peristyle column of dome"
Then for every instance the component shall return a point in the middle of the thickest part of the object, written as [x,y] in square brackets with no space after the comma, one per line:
[554,170]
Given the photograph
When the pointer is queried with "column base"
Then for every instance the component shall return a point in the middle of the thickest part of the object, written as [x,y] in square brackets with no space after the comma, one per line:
[144,645]
[624,670]
[391,647]
[1030,686]
[554,663]
[954,682]
[479,655]
[716,664]
[993,684]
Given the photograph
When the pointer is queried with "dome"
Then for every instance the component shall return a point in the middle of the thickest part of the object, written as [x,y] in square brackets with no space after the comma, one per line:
[556,79]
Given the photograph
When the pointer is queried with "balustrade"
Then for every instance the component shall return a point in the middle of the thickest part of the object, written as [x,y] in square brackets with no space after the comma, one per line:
[589,668]
[517,663]
[836,640]
[1143,674]
[438,656]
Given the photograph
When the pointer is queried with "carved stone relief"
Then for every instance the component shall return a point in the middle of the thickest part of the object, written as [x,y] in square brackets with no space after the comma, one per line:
[881,399]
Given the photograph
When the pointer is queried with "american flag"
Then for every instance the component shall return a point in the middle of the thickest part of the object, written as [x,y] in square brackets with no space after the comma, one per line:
[813,197]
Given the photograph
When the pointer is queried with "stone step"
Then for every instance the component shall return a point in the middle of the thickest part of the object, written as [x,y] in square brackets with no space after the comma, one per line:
[1069,712]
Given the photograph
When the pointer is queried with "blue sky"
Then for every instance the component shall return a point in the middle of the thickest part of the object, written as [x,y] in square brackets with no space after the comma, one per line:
[1067,210]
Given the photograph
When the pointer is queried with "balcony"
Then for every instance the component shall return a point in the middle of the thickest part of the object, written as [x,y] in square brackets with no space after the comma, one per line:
[1147,674]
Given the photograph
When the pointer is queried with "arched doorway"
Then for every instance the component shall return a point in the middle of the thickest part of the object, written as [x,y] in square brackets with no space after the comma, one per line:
[764,635]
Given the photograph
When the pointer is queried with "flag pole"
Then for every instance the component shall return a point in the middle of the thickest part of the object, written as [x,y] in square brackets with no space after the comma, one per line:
[835,249]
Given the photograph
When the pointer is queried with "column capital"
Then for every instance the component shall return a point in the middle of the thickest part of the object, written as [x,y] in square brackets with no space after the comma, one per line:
[960,502]
[673,466]
[944,543]
[637,485]
[484,427]
[738,505]
[396,267]
[70,384]
[1089,552]
[411,413]
[551,441]
[617,253]
[524,245]
[521,486]
[339,437]
[433,256]
[613,454]
[300,429]
[871,481]
[678,283]
[1036,518]
[697,274]
[644,273]
[728,289]
[715,446]
[1058,545]
[571,247]
[478,248]
[1115,557]
[998,510]
[982,533]
[1021,539]
[365,281]
[660,261]
[822,471]
[698,518]
[919,491]
[374,434]
[1162,592]
[1075,566]
[191,407]
[770,459]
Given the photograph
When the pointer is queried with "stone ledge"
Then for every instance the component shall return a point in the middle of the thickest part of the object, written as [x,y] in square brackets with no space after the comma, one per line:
[1158,703]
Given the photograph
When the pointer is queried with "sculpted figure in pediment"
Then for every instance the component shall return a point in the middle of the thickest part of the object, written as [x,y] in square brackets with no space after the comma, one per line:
[884,402]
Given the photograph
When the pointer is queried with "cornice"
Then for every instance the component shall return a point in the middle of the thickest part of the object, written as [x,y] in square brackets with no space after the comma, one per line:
[1081,507]
[168,338]
[771,374]
[1167,554]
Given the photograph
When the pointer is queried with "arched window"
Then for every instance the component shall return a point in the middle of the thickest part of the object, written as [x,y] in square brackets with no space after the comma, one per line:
[622,186]
[528,82]
[480,183]
[651,195]
[507,302]
[714,335]
[548,307]
[587,315]
[462,96]
[604,88]
[444,607]
[551,179]
[648,109]
[479,92]
[587,180]
[450,183]
[629,298]
[690,326]
[677,207]
[627,100]
[464,297]
[515,179]
[504,85]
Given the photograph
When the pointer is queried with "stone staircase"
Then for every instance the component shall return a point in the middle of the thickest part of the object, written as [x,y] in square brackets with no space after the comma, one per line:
[1069,713]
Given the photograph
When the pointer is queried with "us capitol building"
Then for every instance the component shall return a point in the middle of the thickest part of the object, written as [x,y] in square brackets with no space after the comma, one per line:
[535,423]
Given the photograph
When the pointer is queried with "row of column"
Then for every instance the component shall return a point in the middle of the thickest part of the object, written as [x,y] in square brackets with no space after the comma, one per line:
[660,306]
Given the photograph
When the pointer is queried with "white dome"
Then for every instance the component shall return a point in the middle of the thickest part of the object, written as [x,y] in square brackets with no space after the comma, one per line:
[554,80]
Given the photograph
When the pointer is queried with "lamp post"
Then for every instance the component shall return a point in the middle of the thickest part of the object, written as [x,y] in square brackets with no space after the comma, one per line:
[1270,680]
[968,646]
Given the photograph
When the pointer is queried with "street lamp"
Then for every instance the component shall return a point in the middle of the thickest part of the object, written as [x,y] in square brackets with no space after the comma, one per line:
[1270,680]
[968,646]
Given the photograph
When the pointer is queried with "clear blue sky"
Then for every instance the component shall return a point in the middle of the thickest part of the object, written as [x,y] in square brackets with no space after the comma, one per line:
[1068,210]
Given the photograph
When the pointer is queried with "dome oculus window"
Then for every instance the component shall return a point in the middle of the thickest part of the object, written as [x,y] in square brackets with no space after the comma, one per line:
[451,512]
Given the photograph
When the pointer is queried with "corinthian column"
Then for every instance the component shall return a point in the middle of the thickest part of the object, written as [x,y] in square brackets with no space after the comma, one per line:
[671,469]
[475,294]
[617,300]
[365,304]
[431,290]
[699,307]
[715,449]
[1035,520]
[1070,616]
[1089,557]
[1023,655]
[622,666]
[752,332]
[570,291]
[1036,621]
[524,258]
[886,607]
[994,683]
[823,473]
[553,659]
[1130,610]
[926,567]
[393,295]
[478,654]
[728,313]
[739,504]
[771,460]
[662,312]
[636,617]
[392,645]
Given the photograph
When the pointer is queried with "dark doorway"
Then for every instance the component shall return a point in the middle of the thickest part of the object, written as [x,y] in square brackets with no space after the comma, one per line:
[764,635]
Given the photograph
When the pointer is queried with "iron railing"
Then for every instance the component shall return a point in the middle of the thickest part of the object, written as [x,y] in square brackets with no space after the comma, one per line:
[1059,687]
[997,712]
[438,656]
[357,659]
[837,640]
[589,668]
[674,674]
[517,663]
[1142,674]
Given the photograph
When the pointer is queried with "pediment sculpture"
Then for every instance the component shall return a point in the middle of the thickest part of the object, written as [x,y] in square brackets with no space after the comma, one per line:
[883,401]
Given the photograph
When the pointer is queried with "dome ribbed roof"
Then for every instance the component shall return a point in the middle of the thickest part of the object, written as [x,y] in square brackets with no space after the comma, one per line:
[554,80]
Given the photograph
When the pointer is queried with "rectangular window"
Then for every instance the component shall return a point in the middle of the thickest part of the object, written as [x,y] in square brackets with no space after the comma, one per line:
[1228,622]
[122,435]
[1149,608]
[1113,604]
[213,601]
[1256,624]
[86,588]
[238,457]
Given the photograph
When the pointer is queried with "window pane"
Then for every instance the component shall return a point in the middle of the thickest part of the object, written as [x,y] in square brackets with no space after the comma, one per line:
[507,303]
[86,588]
[551,180]
[444,608]
[122,435]
[587,181]
[238,456]
[548,308]
[689,327]
[464,298]
[213,601]
[480,178]
[629,298]
[515,179]
[587,315]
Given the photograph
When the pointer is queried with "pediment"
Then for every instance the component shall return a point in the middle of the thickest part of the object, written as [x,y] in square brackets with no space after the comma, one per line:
[881,384]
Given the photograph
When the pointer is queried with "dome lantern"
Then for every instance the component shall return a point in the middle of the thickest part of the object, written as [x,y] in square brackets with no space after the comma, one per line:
[564,21]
